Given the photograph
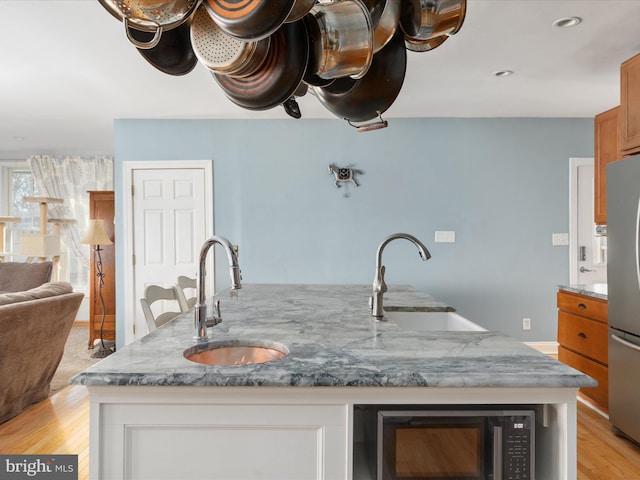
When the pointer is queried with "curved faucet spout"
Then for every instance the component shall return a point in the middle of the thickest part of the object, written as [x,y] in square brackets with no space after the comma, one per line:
[200,310]
[379,285]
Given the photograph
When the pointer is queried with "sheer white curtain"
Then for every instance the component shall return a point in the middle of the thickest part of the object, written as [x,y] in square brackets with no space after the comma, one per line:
[70,178]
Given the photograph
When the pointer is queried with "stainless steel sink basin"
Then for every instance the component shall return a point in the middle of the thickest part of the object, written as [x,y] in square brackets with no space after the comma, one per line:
[235,352]
[433,321]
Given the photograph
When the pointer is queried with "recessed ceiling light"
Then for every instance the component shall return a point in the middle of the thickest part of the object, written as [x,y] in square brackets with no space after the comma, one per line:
[567,22]
[503,73]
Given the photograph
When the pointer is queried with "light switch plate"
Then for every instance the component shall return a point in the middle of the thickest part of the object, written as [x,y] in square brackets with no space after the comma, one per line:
[559,239]
[445,236]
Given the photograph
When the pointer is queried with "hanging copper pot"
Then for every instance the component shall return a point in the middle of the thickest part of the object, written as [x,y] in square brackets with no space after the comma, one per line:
[426,19]
[249,19]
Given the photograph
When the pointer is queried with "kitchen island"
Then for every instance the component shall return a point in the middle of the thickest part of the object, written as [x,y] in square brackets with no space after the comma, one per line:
[156,414]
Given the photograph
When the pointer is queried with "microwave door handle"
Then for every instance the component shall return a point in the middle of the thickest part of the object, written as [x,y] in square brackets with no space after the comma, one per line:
[497,453]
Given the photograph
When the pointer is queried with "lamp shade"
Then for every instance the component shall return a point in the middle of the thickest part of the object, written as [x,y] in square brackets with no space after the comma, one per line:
[96,234]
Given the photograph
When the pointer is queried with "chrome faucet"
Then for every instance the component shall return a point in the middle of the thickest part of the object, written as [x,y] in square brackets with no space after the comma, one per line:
[201,321]
[379,287]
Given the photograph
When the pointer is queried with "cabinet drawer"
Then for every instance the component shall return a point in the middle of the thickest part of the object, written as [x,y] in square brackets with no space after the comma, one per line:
[583,336]
[582,305]
[599,394]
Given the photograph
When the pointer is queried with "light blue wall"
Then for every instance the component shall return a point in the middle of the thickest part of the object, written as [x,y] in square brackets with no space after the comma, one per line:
[500,184]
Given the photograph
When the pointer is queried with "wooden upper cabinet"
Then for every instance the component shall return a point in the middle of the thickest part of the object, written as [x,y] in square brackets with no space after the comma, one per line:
[630,106]
[607,150]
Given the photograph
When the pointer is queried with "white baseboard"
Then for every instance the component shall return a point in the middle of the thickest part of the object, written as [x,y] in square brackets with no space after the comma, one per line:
[550,348]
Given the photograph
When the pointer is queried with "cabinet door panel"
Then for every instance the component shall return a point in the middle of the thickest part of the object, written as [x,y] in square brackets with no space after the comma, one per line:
[583,336]
[600,394]
[580,305]
[607,150]
[630,105]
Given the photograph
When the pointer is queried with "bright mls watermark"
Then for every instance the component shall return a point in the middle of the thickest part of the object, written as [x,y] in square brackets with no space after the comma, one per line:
[50,467]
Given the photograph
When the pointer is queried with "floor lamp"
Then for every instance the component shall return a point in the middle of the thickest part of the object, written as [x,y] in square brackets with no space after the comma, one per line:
[96,235]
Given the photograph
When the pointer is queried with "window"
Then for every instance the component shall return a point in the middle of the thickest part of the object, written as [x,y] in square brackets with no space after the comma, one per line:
[20,184]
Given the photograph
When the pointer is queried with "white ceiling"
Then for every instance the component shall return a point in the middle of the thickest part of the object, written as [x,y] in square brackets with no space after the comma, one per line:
[68,71]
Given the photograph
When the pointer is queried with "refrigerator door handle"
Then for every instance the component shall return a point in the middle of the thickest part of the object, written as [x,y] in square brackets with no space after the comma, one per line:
[624,342]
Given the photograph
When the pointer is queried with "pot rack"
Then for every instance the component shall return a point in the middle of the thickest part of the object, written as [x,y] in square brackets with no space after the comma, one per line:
[250,46]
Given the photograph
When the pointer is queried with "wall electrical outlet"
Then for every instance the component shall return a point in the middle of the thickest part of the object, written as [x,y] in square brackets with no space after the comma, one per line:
[559,239]
[526,324]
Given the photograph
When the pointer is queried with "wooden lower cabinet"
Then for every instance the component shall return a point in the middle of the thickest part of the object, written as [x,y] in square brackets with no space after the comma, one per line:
[583,341]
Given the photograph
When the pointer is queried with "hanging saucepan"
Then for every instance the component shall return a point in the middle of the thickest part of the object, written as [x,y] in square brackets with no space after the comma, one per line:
[299,10]
[249,19]
[223,53]
[385,15]
[359,100]
[278,77]
[315,54]
[424,45]
[150,16]
[345,45]
[425,19]
[173,55]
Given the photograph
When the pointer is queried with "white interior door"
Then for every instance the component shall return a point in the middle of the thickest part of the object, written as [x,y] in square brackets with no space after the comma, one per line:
[170,218]
[588,253]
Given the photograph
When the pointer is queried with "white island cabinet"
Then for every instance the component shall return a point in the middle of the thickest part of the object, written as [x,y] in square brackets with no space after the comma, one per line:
[173,433]
[156,415]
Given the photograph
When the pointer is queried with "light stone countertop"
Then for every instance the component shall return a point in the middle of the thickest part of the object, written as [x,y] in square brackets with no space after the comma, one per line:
[595,290]
[332,341]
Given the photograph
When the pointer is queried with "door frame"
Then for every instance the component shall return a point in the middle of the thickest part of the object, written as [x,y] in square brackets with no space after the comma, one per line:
[128,168]
[574,163]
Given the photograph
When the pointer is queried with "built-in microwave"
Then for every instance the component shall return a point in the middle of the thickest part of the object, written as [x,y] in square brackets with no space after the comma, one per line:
[454,444]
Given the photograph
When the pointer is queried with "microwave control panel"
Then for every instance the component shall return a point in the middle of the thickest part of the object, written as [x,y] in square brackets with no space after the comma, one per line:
[517,448]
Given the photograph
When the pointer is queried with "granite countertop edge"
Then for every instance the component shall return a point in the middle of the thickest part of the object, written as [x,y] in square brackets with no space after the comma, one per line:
[596,290]
[332,342]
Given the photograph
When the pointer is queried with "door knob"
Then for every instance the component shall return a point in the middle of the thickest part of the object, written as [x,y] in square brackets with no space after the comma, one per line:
[583,270]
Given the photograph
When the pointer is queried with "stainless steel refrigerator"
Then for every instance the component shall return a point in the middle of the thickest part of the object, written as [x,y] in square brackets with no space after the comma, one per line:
[623,278]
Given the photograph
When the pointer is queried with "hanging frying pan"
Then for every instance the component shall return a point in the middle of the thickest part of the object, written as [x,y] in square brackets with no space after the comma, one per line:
[359,100]
[299,10]
[249,19]
[278,77]
[173,54]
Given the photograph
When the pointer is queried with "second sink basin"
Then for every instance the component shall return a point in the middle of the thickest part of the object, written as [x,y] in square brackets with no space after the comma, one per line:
[433,321]
[235,352]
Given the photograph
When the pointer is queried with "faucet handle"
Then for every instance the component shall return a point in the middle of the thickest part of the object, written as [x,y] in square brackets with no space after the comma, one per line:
[382,286]
[214,319]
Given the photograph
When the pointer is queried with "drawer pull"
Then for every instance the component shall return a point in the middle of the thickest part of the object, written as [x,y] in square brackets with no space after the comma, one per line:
[582,306]
[582,335]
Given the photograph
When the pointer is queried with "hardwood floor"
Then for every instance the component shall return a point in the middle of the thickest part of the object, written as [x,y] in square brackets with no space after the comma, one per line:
[60,425]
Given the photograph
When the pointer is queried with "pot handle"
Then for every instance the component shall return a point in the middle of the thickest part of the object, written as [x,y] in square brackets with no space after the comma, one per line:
[143,45]
[367,127]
